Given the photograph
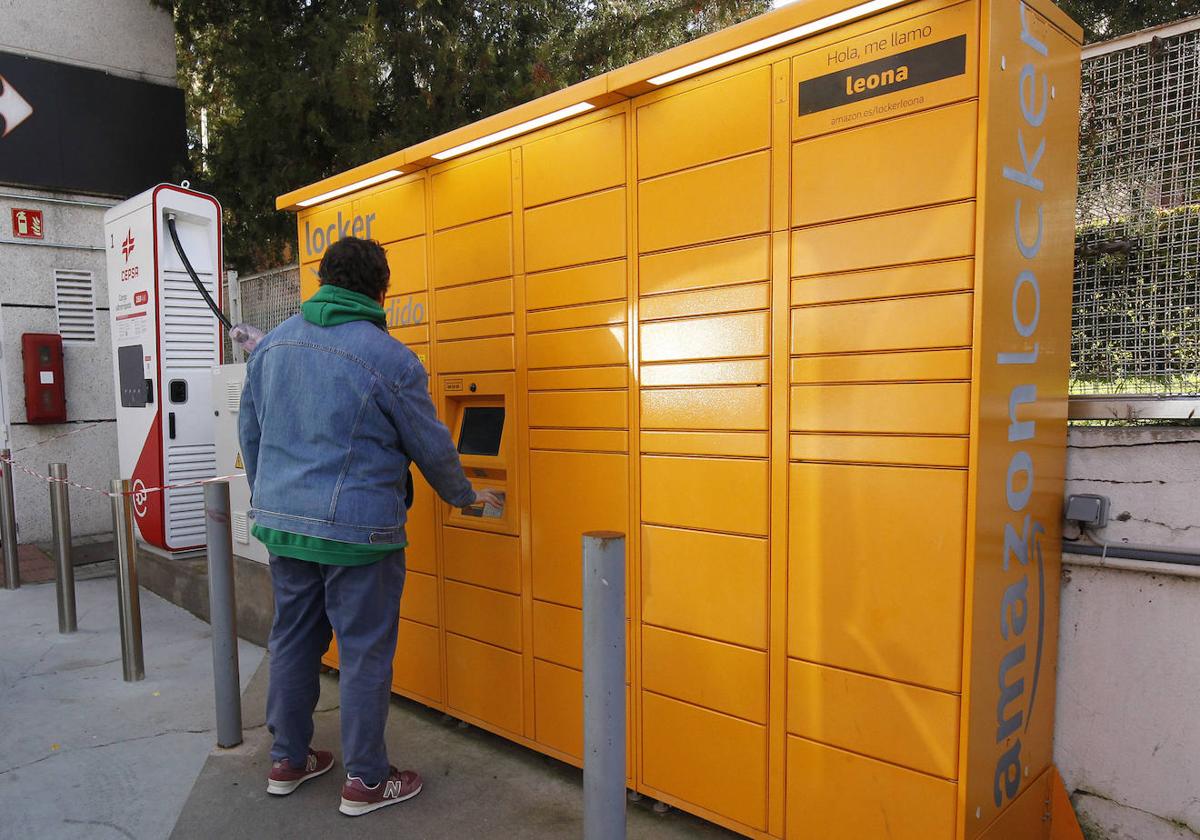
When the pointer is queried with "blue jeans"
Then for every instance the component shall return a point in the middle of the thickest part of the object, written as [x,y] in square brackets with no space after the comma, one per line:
[362,605]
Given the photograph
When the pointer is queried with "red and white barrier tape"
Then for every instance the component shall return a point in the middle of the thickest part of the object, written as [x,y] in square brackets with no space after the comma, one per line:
[45,441]
[135,491]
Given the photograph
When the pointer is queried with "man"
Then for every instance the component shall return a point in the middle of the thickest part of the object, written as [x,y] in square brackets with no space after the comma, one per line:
[333,411]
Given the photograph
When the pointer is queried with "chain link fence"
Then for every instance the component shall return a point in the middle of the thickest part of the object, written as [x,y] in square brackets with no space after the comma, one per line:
[1136,310]
[270,298]
[266,299]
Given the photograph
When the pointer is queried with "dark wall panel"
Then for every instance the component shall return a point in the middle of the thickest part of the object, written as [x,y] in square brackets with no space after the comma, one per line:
[90,131]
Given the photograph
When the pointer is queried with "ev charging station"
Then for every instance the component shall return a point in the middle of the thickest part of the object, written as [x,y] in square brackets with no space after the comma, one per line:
[166,340]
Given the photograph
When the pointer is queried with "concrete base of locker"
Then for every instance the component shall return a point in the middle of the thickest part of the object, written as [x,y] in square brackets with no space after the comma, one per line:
[1046,800]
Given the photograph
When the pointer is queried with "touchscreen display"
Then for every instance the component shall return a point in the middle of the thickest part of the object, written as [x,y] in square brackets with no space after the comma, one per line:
[482,427]
[131,376]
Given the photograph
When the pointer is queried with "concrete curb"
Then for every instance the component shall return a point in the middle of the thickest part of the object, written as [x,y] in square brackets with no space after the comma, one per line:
[184,582]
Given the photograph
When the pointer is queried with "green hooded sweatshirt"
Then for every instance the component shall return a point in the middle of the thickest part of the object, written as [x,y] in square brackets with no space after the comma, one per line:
[333,305]
[329,307]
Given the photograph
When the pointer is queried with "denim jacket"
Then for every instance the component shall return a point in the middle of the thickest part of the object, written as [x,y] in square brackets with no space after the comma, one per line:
[330,419]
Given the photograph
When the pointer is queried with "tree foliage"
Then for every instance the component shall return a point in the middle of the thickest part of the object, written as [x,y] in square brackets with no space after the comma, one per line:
[282,93]
[1105,19]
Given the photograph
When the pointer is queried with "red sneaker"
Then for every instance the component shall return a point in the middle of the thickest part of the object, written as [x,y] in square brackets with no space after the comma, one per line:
[359,798]
[284,778]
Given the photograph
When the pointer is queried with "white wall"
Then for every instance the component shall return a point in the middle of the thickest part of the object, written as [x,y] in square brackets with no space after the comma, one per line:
[1128,709]
[27,305]
[126,37]
[130,38]
[1152,475]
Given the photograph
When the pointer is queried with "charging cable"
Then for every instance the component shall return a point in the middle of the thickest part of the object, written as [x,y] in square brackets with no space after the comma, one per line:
[246,335]
[187,264]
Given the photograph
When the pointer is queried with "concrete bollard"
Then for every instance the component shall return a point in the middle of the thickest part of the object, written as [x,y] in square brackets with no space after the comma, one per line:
[604,686]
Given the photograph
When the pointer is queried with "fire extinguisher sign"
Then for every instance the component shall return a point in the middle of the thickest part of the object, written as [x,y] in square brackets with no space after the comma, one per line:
[27,224]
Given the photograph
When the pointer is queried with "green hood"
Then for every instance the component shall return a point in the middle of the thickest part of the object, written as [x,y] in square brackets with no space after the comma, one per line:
[333,305]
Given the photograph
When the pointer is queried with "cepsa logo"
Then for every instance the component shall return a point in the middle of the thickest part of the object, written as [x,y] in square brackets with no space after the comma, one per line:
[1022,532]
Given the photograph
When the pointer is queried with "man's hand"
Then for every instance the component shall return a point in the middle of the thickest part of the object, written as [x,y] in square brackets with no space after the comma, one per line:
[488,497]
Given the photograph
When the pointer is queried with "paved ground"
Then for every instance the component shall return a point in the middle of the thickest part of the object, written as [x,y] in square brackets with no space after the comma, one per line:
[85,755]
[477,787]
[35,565]
[82,753]
[36,562]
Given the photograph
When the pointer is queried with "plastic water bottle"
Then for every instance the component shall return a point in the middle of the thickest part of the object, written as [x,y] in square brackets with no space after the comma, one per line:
[246,335]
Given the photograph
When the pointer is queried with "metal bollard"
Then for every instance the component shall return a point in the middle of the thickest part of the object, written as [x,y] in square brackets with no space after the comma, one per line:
[8,523]
[60,522]
[604,686]
[222,611]
[129,603]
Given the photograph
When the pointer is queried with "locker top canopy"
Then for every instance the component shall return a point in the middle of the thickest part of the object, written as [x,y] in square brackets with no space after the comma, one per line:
[775,29]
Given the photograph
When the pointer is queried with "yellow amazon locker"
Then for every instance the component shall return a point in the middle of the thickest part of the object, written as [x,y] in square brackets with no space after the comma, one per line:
[788,306]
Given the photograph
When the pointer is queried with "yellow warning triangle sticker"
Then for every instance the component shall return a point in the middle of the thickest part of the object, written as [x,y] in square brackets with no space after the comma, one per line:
[237,462]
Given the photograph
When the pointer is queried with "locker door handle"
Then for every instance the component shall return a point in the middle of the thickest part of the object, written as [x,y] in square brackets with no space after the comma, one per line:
[171,425]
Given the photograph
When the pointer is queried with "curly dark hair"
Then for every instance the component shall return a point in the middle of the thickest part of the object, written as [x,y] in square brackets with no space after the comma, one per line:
[359,265]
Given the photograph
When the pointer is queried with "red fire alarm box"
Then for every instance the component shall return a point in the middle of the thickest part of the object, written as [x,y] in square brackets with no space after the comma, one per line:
[45,386]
